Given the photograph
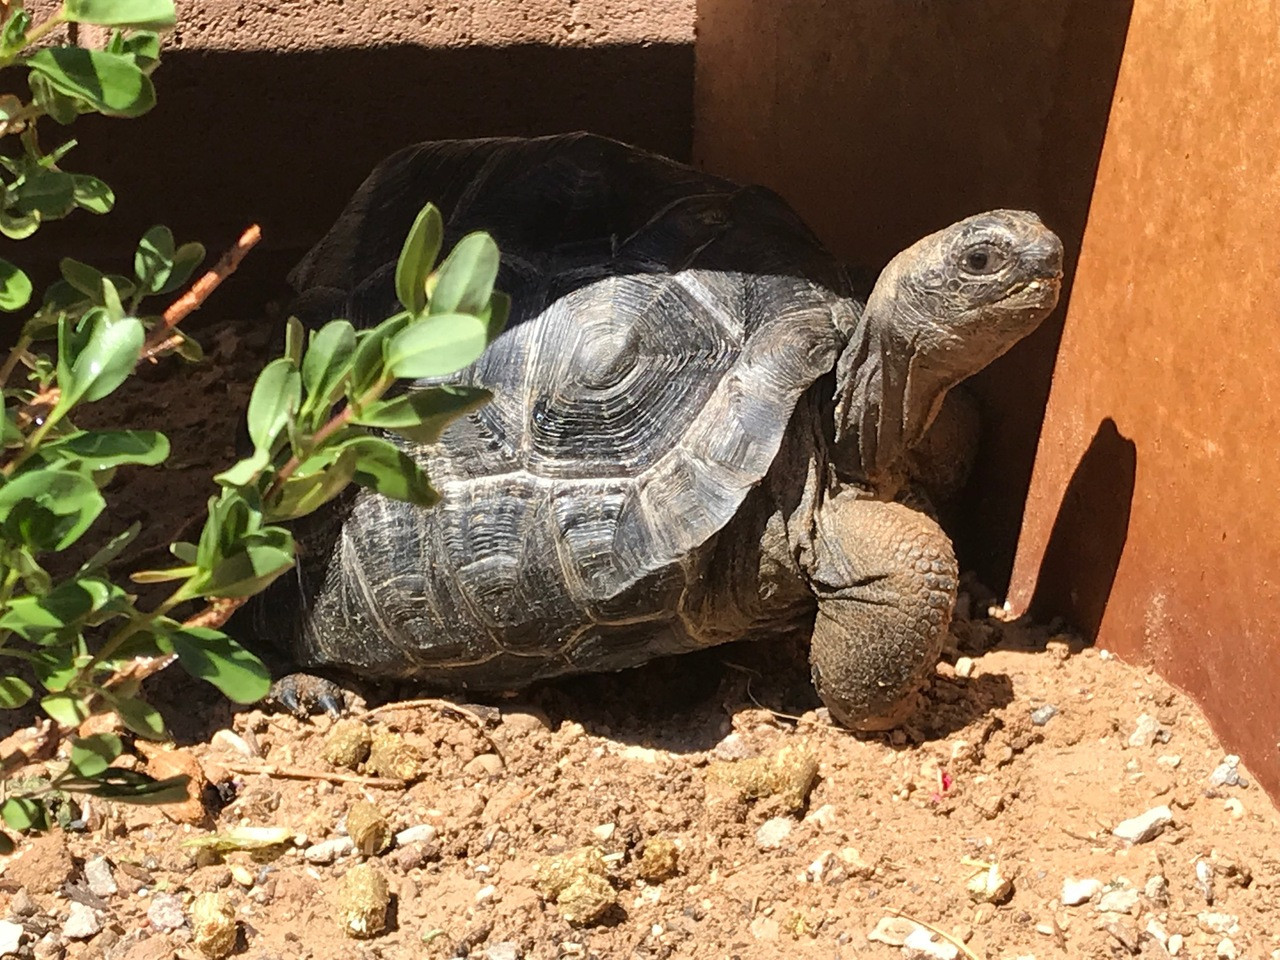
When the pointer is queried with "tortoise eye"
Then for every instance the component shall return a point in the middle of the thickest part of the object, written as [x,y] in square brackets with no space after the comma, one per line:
[983,259]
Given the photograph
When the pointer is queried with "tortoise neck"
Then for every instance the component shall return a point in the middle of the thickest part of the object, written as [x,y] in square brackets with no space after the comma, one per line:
[887,394]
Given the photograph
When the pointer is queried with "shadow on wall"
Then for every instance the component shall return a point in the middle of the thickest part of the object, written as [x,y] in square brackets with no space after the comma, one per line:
[284,139]
[1089,533]
[882,121]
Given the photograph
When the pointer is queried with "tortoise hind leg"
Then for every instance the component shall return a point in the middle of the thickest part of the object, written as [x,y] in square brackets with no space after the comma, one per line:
[885,579]
[304,694]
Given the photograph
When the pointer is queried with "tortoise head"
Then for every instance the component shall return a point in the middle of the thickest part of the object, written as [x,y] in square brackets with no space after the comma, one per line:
[961,297]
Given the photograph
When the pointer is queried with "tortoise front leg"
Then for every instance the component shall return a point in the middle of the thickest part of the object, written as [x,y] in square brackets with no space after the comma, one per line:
[885,579]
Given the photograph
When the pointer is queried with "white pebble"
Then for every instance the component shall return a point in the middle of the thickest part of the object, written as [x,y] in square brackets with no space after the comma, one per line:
[773,832]
[604,832]
[82,922]
[1144,732]
[824,816]
[1144,827]
[893,931]
[1234,807]
[235,743]
[1225,924]
[1076,892]
[1106,655]
[1170,760]
[1174,946]
[422,833]
[486,893]
[97,873]
[503,951]
[10,937]
[923,944]
[1227,949]
[964,667]
[328,851]
[1118,901]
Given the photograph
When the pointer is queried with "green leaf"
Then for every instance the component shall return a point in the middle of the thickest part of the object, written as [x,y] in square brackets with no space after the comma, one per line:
[498,314]
[275,397]
[81,276]
[18,226]
[368,364]
[214,657]
[62,108]
[14,37]
[92,194]
[186,552]
[111,300]
[417,257]
[51,194]
[23,813]
[49,508]
[436,346]
[154,258]
[382,467]
[14,692]
[154,14]
[15,287]
[112,83]
[260,559]
[327,360]
[68,710]
[100,449]
[112,549]
[139,716]
[185,260]
[422,414]
[144,47]
[103,361]
[92,755]
[464,282]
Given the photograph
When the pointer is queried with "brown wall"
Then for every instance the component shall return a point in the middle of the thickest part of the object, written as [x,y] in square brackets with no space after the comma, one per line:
[1155,505]
[273,112]
[882,121]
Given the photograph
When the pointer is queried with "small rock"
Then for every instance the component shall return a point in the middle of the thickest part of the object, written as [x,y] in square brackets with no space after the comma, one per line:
[964,667]
[824,817]
[506,950]
[486,893]
[1156,929]
[1144,732]
[423,832]
[604,832]
[242,875]
[51,947]
[525,720]
[1128,937]
[328,851]
[732,747]
[1204,880]
[1234,807]
[97,873]
[1106,655]
[22,905]
[1227,773]
[923,944]
[411,856]
[765,928]
[1157,890]
[1170,760]
[1076,892]
[1043,714]
[893,931]
[10,937]
[229,740]
[773,833]
[1227,949]
[1118,901]
[1223,924]
[485,765]
[165,912]
[1146,826]
[1174,946]
[990,886]
[82,922]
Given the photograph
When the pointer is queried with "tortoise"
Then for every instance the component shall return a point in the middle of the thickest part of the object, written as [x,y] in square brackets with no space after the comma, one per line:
[700,430]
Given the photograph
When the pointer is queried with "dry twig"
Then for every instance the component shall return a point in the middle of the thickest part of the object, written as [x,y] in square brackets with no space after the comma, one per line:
[308,773]
[954,941]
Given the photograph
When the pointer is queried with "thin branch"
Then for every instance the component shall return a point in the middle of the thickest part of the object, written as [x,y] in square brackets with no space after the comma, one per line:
[200,291]
[308,773]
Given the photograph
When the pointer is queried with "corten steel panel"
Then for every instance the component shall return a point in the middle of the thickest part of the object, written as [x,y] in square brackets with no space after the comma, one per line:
[883,120]
[1155,504]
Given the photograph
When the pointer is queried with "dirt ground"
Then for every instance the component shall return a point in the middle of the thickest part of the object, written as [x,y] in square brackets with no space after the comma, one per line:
[727,817]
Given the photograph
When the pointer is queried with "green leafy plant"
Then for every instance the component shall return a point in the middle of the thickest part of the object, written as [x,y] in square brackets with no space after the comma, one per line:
[319,418]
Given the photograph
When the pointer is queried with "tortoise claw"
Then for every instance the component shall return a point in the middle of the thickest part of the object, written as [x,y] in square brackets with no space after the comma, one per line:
[303,695]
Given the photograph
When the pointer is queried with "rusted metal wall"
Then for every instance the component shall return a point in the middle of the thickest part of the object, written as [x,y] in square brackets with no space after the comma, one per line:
[882,121]
[1154,513]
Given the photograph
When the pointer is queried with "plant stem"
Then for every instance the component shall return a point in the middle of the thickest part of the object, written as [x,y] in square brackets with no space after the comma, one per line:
[42,30]
[11,361]
[132,626]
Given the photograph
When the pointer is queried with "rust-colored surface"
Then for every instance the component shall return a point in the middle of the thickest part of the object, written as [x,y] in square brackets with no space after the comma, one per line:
[273,112]
[1154,514]
[882,121]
